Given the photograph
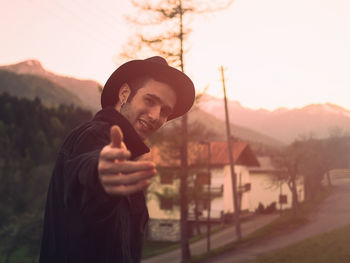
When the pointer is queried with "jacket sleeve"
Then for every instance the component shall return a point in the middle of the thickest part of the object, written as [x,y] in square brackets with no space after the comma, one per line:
[82,188]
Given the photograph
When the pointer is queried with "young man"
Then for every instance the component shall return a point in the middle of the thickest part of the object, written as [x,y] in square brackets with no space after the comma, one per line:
[96,209]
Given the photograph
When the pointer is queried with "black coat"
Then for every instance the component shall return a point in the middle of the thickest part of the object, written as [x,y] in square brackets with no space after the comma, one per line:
[83,223]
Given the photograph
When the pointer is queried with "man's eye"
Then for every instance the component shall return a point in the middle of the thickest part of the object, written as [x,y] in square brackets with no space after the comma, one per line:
[149,101]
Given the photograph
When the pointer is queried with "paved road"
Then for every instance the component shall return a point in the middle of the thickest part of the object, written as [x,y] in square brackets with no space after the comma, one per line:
[217,240]
[333,213]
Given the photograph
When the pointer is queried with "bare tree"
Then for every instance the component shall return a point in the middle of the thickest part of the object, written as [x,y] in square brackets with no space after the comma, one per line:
[312,159]
[288,161]
[164,28]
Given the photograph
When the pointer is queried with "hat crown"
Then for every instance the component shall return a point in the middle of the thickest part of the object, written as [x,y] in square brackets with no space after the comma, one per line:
[157,59]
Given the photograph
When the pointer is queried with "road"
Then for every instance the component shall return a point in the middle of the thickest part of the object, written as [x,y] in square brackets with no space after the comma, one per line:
[333,213]
[217,240]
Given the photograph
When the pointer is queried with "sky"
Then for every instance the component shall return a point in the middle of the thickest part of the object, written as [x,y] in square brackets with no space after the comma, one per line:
[275,53]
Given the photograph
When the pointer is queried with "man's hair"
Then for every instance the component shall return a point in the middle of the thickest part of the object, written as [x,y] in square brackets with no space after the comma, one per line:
[135,84]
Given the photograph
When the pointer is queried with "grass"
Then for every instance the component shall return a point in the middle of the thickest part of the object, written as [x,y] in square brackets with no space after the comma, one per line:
[284,224]
[330,247]
[288,221]
[153,248]
[19,255]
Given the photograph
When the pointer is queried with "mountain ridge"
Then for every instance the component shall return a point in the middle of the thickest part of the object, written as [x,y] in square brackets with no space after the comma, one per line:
[85,89]
[283,124]
[33,86]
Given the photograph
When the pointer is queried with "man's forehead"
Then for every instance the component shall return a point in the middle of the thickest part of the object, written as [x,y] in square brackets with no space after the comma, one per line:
[154,81]
[153,86]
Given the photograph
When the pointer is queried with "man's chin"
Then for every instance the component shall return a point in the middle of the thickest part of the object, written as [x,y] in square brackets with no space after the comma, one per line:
[143,135]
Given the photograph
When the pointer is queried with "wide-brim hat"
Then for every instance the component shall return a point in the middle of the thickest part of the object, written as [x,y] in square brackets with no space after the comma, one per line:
[158,68]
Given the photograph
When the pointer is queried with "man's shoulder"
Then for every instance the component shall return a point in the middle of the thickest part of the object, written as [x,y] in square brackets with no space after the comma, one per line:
[97,127]
[92,133]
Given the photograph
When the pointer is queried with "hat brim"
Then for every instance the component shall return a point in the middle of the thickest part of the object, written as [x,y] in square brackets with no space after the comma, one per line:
[180,82]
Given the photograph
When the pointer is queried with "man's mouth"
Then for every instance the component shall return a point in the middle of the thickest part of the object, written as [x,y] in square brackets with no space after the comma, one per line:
[145,125]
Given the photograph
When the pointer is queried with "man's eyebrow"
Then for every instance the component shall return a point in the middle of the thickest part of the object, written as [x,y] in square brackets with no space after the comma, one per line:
[155,97]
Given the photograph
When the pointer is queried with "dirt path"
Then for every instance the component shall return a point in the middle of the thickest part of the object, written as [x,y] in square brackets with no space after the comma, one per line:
[333,213]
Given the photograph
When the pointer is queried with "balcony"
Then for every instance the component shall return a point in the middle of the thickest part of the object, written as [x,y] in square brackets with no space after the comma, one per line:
[215,190]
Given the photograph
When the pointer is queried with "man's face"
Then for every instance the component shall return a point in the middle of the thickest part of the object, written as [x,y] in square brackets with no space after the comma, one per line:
[150,107]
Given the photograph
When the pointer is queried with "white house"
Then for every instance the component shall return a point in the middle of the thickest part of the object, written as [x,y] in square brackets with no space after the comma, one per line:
[163,194]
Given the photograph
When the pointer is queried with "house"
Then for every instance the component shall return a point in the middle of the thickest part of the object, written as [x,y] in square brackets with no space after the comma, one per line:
[163,194]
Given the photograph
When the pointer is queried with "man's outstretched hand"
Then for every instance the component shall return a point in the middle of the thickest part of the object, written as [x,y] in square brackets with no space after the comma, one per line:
[117,174]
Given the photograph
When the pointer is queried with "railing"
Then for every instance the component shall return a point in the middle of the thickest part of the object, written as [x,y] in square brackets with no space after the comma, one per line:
[216,190]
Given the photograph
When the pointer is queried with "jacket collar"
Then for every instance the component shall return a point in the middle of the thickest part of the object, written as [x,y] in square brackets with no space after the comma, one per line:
[131,139]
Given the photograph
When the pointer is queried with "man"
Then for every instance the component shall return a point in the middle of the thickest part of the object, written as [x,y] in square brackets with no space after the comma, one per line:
[96,209]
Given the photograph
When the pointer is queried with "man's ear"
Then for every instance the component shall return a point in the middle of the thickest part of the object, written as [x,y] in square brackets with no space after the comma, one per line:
[124,93]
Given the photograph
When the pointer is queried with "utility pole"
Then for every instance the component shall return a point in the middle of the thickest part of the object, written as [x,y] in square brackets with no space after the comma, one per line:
[233,175]
[209,199]
[185,246]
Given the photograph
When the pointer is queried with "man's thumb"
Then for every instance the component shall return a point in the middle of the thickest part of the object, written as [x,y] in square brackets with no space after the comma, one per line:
[116,137]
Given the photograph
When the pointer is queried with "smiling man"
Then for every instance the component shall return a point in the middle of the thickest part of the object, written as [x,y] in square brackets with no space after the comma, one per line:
[96,210]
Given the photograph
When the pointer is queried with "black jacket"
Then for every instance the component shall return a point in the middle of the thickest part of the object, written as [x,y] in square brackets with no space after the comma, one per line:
[83,223]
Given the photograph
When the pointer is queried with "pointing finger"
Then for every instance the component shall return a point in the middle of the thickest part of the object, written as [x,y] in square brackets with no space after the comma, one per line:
[125,167]
[116,137]
[127,179]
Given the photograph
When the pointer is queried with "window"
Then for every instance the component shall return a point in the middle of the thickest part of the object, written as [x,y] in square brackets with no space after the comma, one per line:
[202,178]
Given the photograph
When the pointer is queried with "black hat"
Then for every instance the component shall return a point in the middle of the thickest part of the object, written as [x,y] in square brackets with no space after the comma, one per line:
[158,68]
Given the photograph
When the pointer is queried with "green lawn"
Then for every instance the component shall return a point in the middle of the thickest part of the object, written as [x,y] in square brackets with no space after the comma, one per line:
[153,248]
[19,256]
[330,247]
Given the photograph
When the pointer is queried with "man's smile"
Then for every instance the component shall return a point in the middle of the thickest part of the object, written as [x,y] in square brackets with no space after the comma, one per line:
[145,126]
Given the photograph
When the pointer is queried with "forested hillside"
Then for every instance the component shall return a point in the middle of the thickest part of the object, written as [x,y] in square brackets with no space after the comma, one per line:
[30,86]
[30,137]
[86,90]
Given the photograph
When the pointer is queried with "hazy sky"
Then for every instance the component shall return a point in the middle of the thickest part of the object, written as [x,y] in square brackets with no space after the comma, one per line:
[276,53]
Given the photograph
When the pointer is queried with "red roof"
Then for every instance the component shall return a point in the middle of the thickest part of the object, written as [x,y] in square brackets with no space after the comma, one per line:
[219,155]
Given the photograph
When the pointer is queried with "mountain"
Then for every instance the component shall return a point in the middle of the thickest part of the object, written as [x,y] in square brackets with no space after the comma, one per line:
[31,86]
[209,124]
[218,126]
[85,90]
[283,124]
